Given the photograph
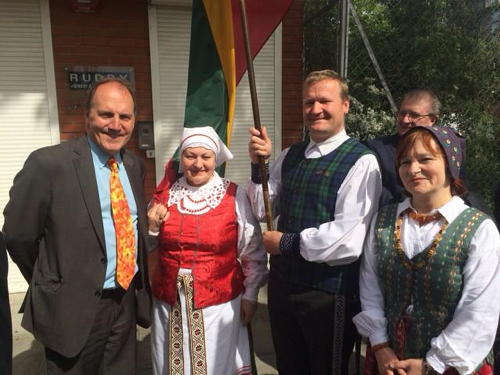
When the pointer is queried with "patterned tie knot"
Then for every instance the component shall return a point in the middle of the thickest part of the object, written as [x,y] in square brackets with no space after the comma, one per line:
[113,165]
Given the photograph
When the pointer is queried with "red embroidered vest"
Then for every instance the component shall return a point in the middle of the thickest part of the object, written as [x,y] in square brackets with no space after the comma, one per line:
[208,245]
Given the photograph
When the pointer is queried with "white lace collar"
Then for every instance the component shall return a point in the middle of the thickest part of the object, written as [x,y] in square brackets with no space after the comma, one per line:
[197,200]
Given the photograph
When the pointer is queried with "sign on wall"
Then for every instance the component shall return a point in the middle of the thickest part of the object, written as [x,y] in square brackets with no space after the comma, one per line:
[85,6]
[80,77]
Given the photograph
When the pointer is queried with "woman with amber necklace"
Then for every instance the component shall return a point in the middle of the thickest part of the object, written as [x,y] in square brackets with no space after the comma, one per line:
[430,277]
[210,265]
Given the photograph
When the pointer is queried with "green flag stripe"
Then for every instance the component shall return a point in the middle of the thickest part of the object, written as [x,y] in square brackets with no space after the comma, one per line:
[207,100]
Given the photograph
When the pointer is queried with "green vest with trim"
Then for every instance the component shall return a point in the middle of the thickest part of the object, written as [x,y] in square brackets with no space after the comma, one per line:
[307,200]
[431,281]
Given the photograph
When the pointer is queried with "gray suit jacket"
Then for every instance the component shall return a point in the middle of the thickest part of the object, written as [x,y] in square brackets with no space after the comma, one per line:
[54,232]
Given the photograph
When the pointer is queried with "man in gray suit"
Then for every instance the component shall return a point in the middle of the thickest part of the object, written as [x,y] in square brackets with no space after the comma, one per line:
[61,226]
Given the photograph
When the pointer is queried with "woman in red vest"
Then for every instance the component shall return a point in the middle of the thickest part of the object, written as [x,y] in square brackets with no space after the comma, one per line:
[209,267]
[431,270]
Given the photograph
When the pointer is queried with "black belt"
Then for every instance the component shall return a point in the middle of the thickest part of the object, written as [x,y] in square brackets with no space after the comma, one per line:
[113,293]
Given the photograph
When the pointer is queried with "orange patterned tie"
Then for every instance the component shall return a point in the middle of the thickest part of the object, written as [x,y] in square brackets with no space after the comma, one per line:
[125,237]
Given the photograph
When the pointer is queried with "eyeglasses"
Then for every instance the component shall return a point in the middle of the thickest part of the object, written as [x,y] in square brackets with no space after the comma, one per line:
[414,116]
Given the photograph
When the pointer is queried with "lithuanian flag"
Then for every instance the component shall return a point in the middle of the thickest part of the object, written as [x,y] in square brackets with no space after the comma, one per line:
[217,57]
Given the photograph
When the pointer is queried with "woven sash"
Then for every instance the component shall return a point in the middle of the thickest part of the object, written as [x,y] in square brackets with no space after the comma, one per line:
[196,333]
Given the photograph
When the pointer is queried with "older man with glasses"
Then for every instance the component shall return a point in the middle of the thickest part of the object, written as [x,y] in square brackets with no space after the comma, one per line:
[419,107]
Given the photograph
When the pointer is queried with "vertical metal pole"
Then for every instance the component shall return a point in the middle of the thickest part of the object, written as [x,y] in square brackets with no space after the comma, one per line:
[339,306]
[343,44]
[373,58]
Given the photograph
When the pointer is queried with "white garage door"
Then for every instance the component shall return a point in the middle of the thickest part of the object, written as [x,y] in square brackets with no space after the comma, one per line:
[28,109]
[170,26]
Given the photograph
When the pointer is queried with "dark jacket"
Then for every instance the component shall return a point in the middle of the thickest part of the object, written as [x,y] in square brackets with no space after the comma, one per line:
[54,232]
[385,150]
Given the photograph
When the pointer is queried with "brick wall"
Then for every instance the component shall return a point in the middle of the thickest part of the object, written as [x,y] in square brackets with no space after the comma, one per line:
[116,35]
[292,74]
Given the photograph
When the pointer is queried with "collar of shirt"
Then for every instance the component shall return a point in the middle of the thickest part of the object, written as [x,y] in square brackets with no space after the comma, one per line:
[100,157]
[450,210]
[316,150]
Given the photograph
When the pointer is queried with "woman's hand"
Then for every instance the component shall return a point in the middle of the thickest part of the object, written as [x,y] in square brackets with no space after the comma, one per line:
[412,366]
[387,361]
[248,309]
[157,214]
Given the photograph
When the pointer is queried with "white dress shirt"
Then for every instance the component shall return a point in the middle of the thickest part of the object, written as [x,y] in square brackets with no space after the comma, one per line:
[339,241]
[466,341]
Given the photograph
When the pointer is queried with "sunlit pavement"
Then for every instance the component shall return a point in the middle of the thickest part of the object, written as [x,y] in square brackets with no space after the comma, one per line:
[28,353]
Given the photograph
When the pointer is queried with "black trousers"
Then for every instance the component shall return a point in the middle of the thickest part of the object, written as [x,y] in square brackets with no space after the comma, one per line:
[5,320]
[302,327]
[111,345]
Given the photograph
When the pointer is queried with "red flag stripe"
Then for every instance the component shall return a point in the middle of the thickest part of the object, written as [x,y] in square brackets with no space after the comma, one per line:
[263,18]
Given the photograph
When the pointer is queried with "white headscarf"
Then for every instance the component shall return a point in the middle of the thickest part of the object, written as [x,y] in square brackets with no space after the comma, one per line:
[206,137]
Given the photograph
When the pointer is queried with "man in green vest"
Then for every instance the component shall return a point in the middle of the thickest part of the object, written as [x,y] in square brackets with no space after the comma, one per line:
[325,191]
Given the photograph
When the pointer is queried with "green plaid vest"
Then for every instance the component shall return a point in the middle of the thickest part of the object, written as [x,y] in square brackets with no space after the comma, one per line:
[434,287]
[308,196]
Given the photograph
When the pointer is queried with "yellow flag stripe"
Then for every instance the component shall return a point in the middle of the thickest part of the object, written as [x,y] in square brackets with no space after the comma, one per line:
[220,17]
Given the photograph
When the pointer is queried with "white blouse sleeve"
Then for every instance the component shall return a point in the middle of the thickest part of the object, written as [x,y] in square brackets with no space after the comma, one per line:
[251,252]
[466,341]
[371,321]
[341,241]
[254,190]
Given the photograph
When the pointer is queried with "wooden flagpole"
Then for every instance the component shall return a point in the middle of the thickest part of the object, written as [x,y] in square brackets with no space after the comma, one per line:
[256,113]
[262,162]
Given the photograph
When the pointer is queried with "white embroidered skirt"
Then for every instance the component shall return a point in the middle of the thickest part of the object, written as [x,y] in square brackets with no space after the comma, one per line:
[214,342]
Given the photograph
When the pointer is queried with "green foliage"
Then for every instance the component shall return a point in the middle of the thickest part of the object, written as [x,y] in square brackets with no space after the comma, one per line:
[320,32]
[366,122]
[449,46]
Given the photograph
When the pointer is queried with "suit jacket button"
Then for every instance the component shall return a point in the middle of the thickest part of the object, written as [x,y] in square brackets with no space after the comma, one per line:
[103,260]
[97,293]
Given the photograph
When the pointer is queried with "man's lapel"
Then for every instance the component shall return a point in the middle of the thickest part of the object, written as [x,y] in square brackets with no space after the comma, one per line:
[84,167]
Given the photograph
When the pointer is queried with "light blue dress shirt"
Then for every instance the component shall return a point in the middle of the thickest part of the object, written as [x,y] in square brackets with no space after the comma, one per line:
[102,174]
